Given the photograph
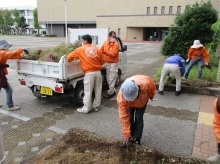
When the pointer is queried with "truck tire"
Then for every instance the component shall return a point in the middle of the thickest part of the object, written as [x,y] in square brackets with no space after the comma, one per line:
[118,80]
[79,94]
[36,92]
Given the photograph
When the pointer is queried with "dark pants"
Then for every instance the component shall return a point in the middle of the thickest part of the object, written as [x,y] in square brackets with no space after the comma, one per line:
[218,148]
[137,122]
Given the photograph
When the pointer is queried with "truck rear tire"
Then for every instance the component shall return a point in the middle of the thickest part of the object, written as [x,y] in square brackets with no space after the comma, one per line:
[36,92]
[79,94]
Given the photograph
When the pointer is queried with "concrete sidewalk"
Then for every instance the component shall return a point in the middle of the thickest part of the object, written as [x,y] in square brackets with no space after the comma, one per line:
[205,144]
[24,136]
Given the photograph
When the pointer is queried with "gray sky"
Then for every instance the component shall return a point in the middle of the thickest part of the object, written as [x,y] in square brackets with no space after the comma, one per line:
[9,3]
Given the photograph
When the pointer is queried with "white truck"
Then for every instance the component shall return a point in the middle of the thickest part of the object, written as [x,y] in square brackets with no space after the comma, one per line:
[54,79]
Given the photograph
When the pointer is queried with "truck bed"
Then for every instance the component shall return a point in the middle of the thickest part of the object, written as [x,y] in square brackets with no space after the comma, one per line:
[63,70]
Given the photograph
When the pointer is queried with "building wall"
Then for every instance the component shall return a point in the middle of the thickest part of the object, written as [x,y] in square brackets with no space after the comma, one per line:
[56,29]
[135,33]
[117,15]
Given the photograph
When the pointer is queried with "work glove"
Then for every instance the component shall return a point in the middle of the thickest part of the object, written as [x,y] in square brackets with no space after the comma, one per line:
[125,140]
[206,63]
[187,60]
[26,51]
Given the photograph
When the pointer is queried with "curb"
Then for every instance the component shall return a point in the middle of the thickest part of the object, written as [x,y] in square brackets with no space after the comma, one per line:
[210,91]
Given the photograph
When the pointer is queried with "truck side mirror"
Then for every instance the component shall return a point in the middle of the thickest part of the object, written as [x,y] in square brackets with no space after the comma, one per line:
[125,47]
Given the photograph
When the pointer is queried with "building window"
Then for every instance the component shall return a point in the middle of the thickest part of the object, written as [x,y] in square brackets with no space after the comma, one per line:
[163,10]
[155,10]
[178,9]
[148,10]
[171,10]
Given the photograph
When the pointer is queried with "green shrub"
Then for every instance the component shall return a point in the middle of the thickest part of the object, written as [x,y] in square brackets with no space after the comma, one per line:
[50,35]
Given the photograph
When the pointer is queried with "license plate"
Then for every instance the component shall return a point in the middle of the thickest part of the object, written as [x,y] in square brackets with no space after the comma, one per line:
[46,91]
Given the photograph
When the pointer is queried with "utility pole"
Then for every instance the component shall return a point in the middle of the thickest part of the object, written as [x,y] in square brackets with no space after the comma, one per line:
[65,22]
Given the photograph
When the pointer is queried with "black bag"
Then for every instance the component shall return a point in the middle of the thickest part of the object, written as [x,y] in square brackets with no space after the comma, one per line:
[3,79]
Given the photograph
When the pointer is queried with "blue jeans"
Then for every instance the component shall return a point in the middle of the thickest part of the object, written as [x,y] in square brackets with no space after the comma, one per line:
[191,64]
[137,122]
[9,91]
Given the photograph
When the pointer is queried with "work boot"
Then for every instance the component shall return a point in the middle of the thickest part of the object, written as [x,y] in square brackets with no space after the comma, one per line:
[214,158]
[13,108]
[160,92]
[96,109]
[177,93]
[137,141]
[106,96]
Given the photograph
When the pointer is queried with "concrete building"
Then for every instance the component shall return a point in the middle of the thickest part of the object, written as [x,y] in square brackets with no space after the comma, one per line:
[133,20]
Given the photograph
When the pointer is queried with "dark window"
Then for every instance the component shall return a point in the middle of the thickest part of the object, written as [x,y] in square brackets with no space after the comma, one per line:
[155,10]
[148,10]
[163,10]
[178,9]
[171,10]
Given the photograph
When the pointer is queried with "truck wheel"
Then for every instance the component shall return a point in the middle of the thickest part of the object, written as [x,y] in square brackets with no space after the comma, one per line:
[118,80]
[79,94]
[36,92]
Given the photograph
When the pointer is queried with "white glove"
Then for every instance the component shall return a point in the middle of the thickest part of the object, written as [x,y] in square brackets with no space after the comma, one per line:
[206,64]
[187,60]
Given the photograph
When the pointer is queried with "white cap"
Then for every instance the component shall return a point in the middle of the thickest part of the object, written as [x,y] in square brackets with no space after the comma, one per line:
[129,90]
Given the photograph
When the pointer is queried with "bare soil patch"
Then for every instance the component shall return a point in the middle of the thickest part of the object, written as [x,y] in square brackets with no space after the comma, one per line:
[83,147]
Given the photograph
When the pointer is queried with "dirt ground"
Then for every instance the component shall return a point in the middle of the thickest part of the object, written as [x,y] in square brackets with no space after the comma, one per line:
[82,147]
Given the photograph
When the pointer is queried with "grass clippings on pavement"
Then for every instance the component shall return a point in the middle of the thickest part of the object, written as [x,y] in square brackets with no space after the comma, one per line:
[83,147]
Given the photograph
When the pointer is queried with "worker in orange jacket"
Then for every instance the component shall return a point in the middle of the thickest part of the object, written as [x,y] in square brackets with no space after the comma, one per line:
[132,100]
[91,64]
[216,128]
[110,51]
[5,54]
[197,54]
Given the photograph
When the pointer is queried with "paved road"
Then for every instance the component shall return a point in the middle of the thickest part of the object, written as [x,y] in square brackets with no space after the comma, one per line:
[163,130]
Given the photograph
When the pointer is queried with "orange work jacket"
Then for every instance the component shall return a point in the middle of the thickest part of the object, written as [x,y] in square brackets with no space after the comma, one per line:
[5,55]
[193,52]
[90,58]
[216,122]
[147,90]
[111,52]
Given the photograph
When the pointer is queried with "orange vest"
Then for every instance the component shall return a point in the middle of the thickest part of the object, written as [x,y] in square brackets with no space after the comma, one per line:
[111,52]
[147,90]
[216,122]
[5,55]
[90,58]
[193,52]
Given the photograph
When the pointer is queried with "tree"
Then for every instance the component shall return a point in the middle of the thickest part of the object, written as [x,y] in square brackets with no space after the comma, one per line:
[36,24]
[7,21]
[17,19]
[194,23]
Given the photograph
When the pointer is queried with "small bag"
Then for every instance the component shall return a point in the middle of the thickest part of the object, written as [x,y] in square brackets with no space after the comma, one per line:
[3,79]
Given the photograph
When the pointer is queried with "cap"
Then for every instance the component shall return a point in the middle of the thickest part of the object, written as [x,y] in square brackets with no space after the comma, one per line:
[129,90]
